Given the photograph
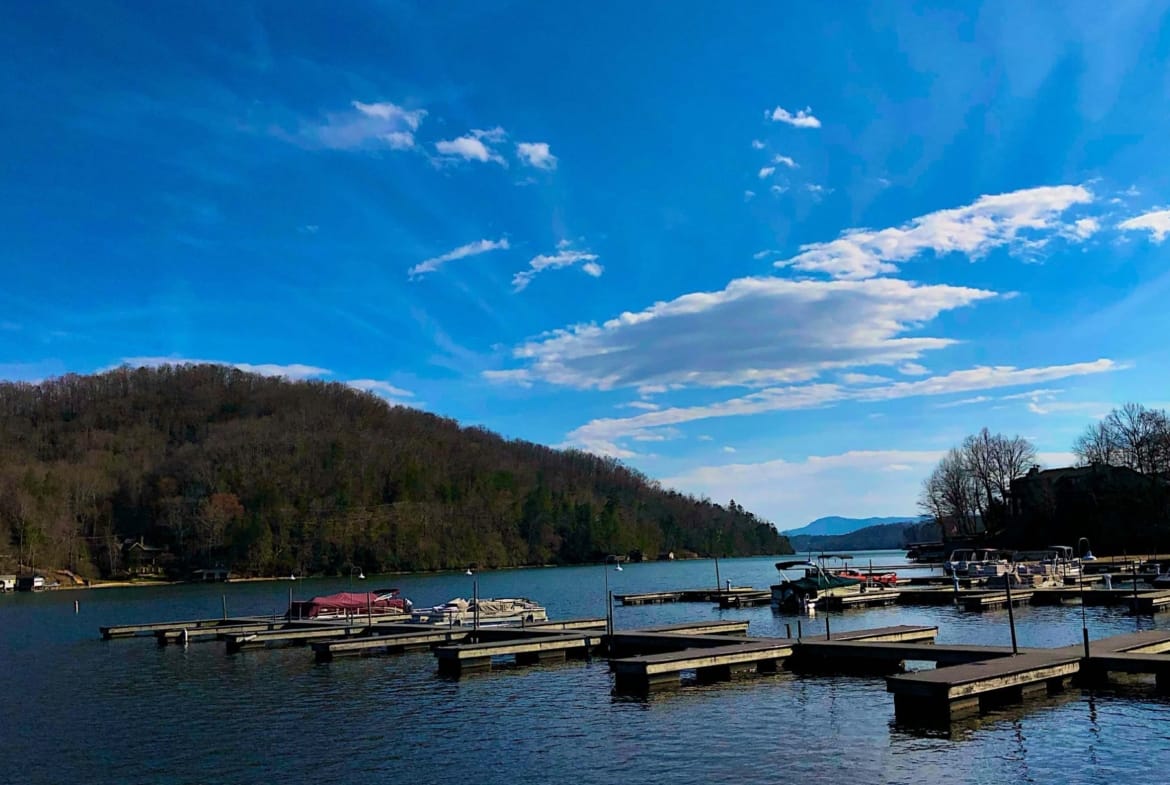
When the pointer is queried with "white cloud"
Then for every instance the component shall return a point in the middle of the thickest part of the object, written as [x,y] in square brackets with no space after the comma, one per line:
[975,229]
[367,126]
[728,449]
[1157,223]
[754,332]
[610,431]
[563,258]
[757,144]
[758,255]
[862,378]
[785,160]
[378,387]
[652,389]
[295,371]
[765,172]
[859,483]
[471,249]
[469,148]
[536,154]
[517,376]
[777,189]
[1085,228]
[913,369]
[802,119]
[748,195]
[705,438]
[400,140]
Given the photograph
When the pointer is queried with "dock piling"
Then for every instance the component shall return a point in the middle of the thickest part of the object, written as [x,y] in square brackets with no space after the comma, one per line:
[1007,584]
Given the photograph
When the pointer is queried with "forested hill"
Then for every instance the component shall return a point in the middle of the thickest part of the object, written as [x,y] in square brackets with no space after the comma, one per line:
[268,476]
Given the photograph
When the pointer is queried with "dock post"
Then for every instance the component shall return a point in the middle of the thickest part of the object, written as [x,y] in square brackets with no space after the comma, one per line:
[224,598]
[828,634]
[1007,584]
[1133,566]
[787,630]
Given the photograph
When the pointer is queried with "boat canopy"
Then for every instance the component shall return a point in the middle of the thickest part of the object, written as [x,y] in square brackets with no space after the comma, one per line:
[377,601]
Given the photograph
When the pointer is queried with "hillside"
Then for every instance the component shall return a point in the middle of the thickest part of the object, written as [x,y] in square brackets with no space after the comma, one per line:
[207,465]
[834,524]
[881,536]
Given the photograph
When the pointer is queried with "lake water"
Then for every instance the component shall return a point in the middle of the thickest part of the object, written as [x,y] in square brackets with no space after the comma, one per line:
[79,709]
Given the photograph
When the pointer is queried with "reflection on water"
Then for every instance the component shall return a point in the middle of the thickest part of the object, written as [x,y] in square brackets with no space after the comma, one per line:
[77,708]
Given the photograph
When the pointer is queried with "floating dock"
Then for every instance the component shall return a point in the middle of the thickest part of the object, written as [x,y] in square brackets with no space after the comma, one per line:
[685,595]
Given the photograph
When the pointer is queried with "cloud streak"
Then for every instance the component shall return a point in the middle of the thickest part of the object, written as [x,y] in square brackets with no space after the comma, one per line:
[975,229]
[462,252]
[563,258]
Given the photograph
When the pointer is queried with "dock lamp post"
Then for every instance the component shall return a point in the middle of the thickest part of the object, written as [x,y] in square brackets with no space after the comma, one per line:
[617,567]
[474,602]
[1081,578]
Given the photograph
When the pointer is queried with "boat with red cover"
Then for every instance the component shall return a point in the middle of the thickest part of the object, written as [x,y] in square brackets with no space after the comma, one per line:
[380,602]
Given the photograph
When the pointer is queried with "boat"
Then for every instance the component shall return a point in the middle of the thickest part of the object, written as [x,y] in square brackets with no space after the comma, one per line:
[801,593]
[459,612]
[349,604]
[965,561]
[883,579]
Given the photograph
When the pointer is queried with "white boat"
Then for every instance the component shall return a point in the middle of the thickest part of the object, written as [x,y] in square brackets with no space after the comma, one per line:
[484,612]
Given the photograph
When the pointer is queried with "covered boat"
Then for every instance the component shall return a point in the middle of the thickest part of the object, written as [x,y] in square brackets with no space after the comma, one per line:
[380,602]
[801,593]
[491,612]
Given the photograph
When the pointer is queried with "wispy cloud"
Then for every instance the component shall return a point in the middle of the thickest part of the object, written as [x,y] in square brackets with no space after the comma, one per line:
[802,119]
[754,332]
[749,195]
[604,434]
[562,258]
[379,387]
[366,126]
[643,405]
[975,229]
[294,371]
[463,251]
[765,172]
[791,492]
[1157,223]
[757,144]
[913,369]
[536,154]
[784,160]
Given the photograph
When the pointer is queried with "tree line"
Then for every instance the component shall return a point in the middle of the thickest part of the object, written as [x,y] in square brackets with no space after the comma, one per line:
[213,466]
[1118,491]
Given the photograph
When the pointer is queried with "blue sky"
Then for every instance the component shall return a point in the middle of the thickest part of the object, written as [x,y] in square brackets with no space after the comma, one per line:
[782,254]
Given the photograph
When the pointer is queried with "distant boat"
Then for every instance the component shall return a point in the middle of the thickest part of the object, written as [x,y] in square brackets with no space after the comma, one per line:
[492,612]
[802,593]
[347,604]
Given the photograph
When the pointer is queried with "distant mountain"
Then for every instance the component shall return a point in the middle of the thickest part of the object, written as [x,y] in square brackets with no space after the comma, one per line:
[877,537]
[834,524]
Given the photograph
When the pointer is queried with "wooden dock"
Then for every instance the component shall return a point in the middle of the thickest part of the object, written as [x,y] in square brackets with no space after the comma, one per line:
[684,595]
[1150,602]
[140,630]
[871,598]
[536,647]
[648,672]
[416,637]
[994,600]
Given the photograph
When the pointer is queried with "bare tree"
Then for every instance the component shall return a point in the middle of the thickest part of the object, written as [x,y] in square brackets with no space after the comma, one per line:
[1132,436]
[952,493]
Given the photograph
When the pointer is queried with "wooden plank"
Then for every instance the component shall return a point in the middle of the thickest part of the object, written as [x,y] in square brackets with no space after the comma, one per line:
[943,654]
[690,659]
[474,651]
[132,630]
[985,675]
[866,599]
[324,651]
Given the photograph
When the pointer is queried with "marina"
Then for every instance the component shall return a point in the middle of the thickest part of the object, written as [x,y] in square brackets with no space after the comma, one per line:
[698,658]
